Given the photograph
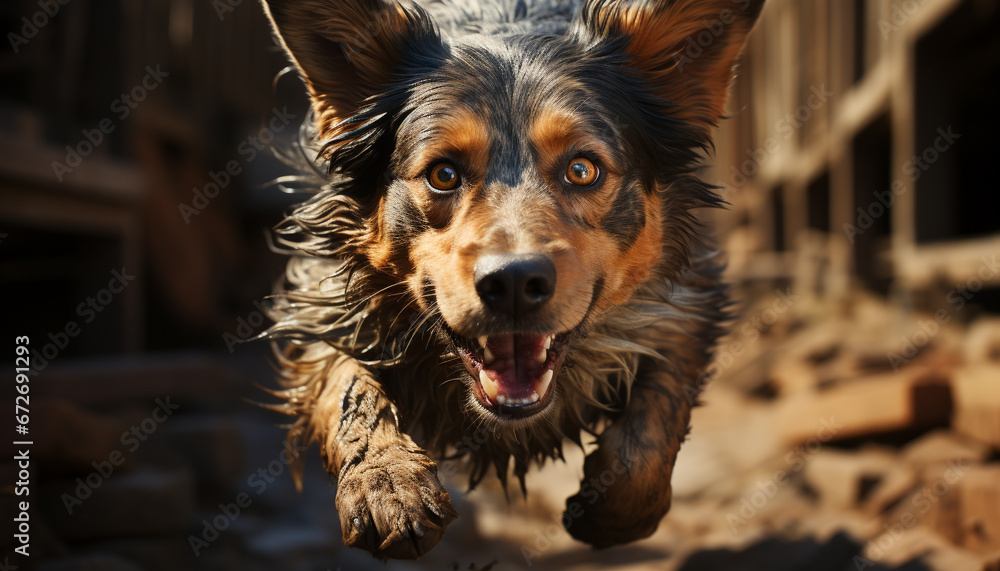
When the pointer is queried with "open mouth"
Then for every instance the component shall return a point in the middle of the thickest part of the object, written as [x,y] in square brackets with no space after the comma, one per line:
[515,374]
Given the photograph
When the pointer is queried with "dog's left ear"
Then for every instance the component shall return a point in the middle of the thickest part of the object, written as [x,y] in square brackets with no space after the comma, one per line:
[347,50]
[686,48]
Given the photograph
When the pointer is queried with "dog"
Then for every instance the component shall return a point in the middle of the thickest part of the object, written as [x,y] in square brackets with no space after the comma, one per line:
[504,254]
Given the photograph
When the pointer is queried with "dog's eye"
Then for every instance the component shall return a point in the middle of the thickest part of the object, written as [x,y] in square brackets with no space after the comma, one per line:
[581,172]
[443,177]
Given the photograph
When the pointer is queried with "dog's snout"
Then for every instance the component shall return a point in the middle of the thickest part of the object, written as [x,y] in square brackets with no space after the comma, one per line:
[515,284]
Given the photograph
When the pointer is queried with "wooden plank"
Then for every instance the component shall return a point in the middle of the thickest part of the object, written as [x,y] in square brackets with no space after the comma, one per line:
[916,397]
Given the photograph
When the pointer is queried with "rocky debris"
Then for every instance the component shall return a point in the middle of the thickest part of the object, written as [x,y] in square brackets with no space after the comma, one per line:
[943,446]
[977,402]
[887,427]
[844,479]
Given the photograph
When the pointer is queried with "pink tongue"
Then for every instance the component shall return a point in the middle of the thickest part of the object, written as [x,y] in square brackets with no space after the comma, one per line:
[515,369]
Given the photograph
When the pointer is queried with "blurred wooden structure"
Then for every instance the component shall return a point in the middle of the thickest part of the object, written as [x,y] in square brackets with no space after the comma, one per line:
[861,145]
[67,73]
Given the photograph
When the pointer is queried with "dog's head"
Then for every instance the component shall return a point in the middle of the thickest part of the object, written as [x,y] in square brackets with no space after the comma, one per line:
[521,185]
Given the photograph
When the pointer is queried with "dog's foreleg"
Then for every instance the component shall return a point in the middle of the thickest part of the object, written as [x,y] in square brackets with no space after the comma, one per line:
[389,499]
[626,486]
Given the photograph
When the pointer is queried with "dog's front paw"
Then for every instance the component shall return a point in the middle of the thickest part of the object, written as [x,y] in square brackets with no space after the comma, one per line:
[616,503]
[393,505]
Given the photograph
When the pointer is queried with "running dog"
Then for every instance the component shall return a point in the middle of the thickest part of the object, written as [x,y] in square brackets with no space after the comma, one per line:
[504,253]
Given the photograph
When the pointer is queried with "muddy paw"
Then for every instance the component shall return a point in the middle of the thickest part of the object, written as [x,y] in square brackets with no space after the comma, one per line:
[393,505]
[615,504]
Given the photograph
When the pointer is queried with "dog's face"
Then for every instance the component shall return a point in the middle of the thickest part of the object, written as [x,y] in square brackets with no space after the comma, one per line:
[521,186]
[526,213]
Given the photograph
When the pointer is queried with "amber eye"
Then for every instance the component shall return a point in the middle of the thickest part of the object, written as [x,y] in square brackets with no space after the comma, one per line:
[443,177]
[581,172]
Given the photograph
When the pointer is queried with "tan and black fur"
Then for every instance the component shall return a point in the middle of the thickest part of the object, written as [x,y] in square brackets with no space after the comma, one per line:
[384,292]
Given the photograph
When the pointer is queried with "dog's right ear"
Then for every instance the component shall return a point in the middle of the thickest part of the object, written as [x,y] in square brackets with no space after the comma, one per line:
[346,50]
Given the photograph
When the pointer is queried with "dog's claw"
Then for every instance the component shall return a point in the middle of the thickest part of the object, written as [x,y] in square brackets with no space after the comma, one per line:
[395,506]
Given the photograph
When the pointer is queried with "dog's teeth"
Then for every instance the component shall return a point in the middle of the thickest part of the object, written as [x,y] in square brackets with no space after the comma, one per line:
[489,387]
[502,399]
[482,341]
[542,356]
[543,384]
[534,397]
[548,342]
[488,356]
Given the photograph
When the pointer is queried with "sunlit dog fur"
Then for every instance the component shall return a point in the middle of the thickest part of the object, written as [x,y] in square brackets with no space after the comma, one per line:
[562,134]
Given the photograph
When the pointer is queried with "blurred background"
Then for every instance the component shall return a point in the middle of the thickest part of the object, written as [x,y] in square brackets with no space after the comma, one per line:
[854,422]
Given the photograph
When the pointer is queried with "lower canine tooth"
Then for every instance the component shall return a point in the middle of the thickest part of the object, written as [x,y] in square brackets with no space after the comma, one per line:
[543,384]
[534,397]
[489,387]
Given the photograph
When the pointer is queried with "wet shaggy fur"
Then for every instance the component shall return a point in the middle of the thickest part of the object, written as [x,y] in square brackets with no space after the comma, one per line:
[377,289]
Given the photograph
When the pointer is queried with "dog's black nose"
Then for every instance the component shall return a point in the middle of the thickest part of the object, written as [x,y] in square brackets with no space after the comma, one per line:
[515,284]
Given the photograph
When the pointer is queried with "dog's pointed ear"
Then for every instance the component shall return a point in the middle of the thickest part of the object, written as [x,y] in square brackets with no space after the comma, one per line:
[346,50]
[686,49]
